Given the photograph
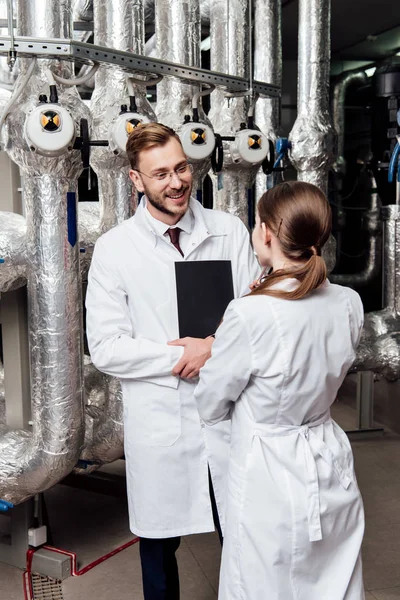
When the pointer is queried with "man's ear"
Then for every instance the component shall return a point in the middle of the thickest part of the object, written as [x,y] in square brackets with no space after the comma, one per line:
[136,180]
[266,233]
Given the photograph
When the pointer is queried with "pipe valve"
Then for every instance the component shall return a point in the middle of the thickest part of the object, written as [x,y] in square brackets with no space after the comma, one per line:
[49,129]
[198,140]
[250,146]
[122,126]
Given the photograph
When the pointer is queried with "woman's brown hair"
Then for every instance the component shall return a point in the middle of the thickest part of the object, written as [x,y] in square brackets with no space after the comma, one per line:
[299,214]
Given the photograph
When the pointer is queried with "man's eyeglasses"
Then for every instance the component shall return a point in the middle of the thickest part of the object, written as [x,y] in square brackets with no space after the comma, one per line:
[181,172]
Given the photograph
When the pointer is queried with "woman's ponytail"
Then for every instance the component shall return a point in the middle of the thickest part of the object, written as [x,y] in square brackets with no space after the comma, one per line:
[300,216]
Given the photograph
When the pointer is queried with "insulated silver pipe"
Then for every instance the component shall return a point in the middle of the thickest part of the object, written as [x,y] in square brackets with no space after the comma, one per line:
[373,226]
[104,430]
[178,36]
[312,136]
[12,251]
[338,111]
[120,25]
[117,25]
[267,67]
[379,349]
[229,32]
[31,462]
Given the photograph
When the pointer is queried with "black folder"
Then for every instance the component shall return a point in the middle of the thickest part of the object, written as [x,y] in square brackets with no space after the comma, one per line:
[204,289]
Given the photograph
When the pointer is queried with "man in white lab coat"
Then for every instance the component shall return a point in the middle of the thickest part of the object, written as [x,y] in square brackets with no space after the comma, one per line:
[132,330]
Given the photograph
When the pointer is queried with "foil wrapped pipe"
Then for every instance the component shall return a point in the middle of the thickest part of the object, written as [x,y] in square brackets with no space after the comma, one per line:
[178,36]
[104,438]
[229,32]
[82,10]
[32,461]
[313,137]
[379,348]
[12,251]
[340,90]
[88,225]
[373,226]
[120,25]
[149,9]
[267,67]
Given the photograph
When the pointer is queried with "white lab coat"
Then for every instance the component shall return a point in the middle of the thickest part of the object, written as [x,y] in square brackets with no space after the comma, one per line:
[131,315]
[294,522]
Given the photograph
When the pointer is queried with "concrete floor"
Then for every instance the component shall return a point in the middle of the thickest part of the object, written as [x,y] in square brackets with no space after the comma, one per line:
[92,524]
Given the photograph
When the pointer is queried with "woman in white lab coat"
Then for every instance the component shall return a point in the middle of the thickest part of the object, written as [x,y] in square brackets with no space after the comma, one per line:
[294,521]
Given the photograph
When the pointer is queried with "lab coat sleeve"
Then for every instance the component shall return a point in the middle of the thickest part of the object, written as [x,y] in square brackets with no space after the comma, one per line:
[227,372]
[109,331]
[356,316]
[247,267]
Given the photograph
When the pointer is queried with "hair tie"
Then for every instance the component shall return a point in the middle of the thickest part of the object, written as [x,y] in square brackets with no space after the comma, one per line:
[316,250]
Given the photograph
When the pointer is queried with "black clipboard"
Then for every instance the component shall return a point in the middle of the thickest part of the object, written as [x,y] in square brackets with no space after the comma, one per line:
[204,289]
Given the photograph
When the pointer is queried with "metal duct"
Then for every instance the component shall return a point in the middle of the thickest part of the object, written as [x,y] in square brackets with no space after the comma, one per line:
[178,35]
[120,25]
[117,25]
[267,67]
[312,136]
[229,32]
[104,432]
[82,10]
[379,349]
[373,226]
[12,251]
[338,111]
[13,244]
[149,10]
[89,219]
[31,462]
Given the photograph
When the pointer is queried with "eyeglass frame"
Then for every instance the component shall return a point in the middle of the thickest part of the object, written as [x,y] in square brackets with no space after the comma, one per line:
[188,169]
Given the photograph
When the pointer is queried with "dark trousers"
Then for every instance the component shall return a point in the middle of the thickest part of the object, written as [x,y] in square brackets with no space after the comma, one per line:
[159,566]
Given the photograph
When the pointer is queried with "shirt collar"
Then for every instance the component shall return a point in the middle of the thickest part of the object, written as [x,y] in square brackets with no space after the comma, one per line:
[185,223]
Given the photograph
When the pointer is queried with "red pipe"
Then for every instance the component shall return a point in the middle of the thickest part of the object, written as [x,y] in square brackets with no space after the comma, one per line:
[28,591]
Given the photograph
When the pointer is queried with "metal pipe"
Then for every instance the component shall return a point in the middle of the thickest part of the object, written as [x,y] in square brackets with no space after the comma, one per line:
[229,21]
[178,36]
[120,25]
[12,251]
[31,462]
[373,226]
[312,136]
[117,25]
[267,67]
[338,111]
[379,349]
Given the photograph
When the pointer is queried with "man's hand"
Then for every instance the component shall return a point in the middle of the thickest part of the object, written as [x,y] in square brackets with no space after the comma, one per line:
[197,352]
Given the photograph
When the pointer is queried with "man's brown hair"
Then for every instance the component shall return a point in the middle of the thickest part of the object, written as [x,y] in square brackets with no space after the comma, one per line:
[147,136]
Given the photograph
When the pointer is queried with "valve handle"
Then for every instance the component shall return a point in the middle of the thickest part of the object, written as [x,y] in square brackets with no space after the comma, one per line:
[217,157]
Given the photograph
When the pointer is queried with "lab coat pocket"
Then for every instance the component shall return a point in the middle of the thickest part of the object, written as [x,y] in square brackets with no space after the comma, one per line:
[152,414]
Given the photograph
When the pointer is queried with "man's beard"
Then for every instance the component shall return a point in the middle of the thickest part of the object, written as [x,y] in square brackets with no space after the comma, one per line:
[158,202]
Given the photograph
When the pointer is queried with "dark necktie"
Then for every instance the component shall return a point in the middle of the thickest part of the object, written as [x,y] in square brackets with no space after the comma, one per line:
[174,237]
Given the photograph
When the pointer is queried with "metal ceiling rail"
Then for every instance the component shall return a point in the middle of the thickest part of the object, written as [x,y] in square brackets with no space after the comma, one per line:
[71,49]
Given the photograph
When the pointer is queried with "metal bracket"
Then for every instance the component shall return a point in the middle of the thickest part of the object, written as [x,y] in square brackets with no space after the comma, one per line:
[71,49]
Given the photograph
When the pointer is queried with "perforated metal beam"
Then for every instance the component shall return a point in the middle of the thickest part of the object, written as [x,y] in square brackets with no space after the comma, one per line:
[70,49]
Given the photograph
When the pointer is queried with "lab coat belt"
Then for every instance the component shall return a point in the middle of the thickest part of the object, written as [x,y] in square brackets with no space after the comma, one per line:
[313,446]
